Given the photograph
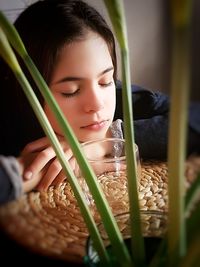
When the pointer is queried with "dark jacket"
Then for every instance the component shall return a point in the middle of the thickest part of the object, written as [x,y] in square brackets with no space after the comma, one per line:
[10,179]
[151,117]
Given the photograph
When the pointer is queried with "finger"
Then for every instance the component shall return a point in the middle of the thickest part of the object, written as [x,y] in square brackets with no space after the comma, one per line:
[39,162]
[59,179]
[36,145]
[40,144]
[31,184]
[52,172]
[62,175]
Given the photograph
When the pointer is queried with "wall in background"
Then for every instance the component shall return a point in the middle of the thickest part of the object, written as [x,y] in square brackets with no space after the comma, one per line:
[13,7]
[147,37]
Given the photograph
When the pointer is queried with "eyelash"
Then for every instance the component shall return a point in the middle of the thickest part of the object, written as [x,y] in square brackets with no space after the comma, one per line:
[68,95]
[106,84]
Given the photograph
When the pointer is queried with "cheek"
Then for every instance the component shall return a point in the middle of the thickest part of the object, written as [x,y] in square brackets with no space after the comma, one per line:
[49,114]
[51,117]
[111,99]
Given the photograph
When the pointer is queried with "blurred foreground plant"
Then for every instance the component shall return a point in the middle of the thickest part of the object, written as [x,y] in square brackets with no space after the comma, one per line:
[9,34]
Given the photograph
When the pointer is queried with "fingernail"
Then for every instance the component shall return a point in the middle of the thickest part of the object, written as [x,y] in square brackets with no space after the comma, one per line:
[28,175]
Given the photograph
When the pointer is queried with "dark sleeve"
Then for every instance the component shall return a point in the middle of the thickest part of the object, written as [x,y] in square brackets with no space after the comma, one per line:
[10,179]
[146,103]
[151,137]
[151,118]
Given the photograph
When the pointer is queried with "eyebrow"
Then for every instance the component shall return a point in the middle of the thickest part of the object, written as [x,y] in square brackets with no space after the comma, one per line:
[72,78]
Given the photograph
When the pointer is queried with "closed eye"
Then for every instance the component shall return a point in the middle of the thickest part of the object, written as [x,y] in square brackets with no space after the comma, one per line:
[106,84]
[70,94]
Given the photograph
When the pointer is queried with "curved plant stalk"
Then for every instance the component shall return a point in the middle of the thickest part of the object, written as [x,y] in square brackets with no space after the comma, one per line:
[181,18]
[116,11]
[192,194]
[192,258]
[8,55]
[192,223]
[100,200]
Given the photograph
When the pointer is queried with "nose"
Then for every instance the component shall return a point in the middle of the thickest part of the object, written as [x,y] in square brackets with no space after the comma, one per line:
[93,101]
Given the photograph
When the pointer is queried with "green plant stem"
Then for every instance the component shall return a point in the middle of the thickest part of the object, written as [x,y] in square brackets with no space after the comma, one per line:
[192,258]
[98,195]
[192,194]
[178,129]
[138,252]
[193,222]
[177,137]
[98,243]
[10,58]
[116,12]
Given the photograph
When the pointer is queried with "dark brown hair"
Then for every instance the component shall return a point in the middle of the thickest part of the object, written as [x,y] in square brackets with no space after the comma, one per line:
[45,28]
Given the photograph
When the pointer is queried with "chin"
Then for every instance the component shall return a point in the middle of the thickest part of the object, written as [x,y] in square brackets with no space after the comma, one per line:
[92,137]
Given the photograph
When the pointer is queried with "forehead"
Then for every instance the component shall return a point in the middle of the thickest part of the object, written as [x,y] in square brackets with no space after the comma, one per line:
[83,57]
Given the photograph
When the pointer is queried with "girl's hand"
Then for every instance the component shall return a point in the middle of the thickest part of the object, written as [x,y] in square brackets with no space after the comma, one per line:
[43,160]
[28,185]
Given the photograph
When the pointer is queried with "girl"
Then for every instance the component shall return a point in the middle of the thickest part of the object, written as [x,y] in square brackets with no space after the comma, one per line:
[74,50]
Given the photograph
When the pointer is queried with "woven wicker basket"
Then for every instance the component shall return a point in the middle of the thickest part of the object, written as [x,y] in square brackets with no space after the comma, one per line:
[51,223]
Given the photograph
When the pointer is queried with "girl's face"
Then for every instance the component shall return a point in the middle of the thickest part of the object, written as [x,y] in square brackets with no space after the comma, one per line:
[83,85]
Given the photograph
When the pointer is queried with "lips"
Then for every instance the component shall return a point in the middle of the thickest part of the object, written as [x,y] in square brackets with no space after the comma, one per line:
[95,125]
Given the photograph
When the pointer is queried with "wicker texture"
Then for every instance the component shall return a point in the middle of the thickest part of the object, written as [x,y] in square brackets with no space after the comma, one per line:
[51,223]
